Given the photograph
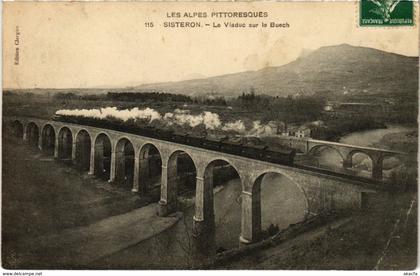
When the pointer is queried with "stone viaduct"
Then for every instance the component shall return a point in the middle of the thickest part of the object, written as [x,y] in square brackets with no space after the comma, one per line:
[346,152]
[124,158]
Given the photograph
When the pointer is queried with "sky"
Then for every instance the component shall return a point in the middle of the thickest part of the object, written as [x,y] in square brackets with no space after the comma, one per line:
[106,44]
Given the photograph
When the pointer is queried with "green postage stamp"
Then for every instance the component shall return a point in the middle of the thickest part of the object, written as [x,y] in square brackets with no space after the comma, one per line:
[386,13]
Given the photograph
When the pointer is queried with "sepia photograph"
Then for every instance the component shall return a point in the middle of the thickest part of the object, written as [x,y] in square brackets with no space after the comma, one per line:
[210,136]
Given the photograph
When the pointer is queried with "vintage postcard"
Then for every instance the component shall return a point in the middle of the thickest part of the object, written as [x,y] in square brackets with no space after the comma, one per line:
[210,135]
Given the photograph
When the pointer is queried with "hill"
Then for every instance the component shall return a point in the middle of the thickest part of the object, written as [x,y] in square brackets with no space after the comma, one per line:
[329,71]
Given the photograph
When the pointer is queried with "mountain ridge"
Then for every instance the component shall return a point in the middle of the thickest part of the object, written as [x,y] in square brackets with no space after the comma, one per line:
[333,69]
[329,71]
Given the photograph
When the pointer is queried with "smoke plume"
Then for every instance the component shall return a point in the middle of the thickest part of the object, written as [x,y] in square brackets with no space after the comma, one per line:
[210,120]
[124,115]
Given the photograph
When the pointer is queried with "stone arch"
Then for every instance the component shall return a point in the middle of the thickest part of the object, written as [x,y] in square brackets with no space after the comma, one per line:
[360,163]
[178,176]
[321,148]
[285,174]
[102,156]
[392,166]
[32,134]
[182,164]
[65,143]
[281,201]
[230,162]
[48,139]
[393,157]
[83,147]
[102,134]
[150,169]
[220,161]
[252,208]
[209,207]
[124,162]
[358,151]
[17,129]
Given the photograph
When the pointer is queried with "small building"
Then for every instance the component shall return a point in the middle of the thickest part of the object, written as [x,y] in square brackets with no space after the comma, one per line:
[328,108]
[303,132]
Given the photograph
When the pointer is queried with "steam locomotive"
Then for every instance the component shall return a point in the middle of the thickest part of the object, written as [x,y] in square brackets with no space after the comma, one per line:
[279,155]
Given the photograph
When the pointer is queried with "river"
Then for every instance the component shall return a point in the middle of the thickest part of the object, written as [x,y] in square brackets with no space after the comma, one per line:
[282,203]
[372,137]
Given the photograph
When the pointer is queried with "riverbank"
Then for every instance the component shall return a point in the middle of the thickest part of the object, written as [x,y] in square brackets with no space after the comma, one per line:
[392,137]
[366,242]
[77,247]
[314,224]
[405,141]
[42,197]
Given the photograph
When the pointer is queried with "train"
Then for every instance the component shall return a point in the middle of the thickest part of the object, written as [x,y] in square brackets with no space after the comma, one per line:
[280,155]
